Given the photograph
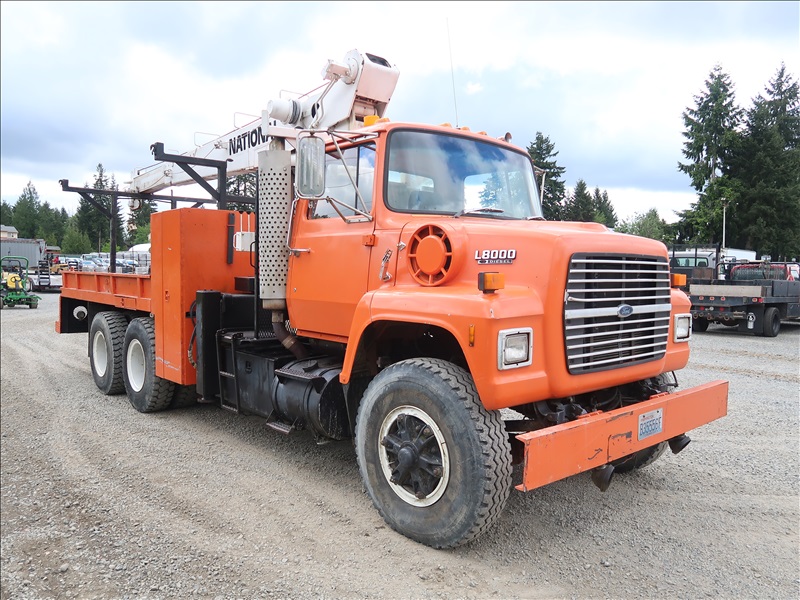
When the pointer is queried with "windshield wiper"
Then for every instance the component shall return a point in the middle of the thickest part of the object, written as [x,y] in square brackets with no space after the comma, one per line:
[536,218]
[473,211]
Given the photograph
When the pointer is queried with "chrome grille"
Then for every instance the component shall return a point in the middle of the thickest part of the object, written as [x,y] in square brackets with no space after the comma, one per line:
[601,289]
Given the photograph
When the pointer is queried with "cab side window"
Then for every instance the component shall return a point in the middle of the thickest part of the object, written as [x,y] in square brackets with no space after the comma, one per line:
[358,163]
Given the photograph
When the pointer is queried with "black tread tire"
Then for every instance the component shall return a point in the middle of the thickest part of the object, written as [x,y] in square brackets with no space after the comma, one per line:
[772,322]
[146,391]
[185,396]
[640,459]
[106,339]
[33,305]
[700,325]
[479,468]
[646,456]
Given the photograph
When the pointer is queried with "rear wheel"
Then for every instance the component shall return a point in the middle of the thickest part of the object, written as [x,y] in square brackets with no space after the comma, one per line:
[106,338]
[700,324]
[772,322]
[435,462]
[146,391]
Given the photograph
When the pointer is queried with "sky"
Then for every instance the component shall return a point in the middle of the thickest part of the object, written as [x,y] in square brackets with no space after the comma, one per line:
[88,83]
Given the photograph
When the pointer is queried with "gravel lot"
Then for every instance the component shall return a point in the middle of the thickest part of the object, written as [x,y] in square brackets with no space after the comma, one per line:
[99,501]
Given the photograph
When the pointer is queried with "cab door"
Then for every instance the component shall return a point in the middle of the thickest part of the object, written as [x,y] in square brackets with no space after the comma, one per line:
[328,271]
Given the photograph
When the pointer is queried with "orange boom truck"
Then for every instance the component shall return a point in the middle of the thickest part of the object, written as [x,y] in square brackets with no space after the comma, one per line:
[397,285]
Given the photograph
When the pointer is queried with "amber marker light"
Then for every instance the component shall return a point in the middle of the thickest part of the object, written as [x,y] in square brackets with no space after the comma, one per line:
[489,283]
[678,279]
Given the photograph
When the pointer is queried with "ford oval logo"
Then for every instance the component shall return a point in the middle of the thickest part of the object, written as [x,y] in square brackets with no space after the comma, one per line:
[624,310]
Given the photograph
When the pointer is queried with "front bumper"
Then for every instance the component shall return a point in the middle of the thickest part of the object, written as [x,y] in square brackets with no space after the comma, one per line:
[598,438]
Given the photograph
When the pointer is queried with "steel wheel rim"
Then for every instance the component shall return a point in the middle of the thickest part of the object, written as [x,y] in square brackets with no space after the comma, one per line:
[99,353]
[413,455]
[136,365]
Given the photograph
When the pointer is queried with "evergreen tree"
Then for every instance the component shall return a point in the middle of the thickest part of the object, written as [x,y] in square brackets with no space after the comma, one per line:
[6,213]
[141,235]
[91,221]
[139,223]
[245,185]
[26,212]
[709,127]
[74,241]
[543,154]
[603,210]
[579,206]
[711,134]
[51,226]
[765,214]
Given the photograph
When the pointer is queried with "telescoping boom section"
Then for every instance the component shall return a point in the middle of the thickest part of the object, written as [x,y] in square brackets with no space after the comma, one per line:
[395,285]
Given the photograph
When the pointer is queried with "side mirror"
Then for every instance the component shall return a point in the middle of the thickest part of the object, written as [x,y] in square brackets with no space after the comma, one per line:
[310,180]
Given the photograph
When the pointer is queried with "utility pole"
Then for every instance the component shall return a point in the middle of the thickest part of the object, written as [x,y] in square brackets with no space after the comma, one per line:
[724,215]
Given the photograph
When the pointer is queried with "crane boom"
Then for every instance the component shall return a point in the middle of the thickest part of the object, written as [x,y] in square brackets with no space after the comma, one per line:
[360,86]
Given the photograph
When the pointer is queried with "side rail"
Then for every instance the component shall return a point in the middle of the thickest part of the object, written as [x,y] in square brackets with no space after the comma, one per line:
[121,291]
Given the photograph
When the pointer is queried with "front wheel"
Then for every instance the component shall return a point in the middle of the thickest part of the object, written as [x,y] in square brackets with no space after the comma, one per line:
[646,456]
[146,391]
[435,462]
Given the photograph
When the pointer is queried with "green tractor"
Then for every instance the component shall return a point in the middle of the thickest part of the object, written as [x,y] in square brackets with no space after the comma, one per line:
[16,285]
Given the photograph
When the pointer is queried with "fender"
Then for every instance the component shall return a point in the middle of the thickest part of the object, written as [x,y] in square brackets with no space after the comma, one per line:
[464,314]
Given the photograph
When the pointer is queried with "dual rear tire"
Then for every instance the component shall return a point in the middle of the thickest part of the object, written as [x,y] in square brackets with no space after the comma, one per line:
[122,356]
[146,391]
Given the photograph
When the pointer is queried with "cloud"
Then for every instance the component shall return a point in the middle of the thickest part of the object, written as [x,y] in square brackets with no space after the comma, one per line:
[84,83]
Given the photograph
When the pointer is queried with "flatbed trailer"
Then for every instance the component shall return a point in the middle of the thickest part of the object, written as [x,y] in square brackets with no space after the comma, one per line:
[755,307]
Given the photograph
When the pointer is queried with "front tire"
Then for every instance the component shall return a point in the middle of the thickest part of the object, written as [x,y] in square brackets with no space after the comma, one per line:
[646,456]
[106,339]
[146,391]
[435,462]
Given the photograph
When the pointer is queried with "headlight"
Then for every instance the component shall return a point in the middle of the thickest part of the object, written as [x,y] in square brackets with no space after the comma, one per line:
[514,348]
[682,330]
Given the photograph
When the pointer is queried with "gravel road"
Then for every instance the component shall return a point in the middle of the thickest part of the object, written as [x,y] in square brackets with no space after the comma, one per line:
[99,501]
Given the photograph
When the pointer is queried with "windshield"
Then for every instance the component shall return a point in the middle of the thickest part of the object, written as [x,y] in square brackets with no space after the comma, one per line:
[438,173]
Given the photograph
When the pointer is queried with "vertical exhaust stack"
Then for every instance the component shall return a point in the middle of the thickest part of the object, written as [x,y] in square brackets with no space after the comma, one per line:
[275,196]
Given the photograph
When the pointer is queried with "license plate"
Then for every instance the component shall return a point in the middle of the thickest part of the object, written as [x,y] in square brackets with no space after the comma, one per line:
[651,423]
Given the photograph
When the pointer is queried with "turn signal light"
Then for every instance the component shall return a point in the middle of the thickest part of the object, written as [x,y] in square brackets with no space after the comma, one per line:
[489,283]
[678,279]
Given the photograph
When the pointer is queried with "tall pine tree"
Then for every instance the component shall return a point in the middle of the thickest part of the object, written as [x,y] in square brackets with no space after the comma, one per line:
[766,167]
[579,206]
[92,222]
[603,210]
[710,134]
[6,213]
[26,212]
[542,152]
